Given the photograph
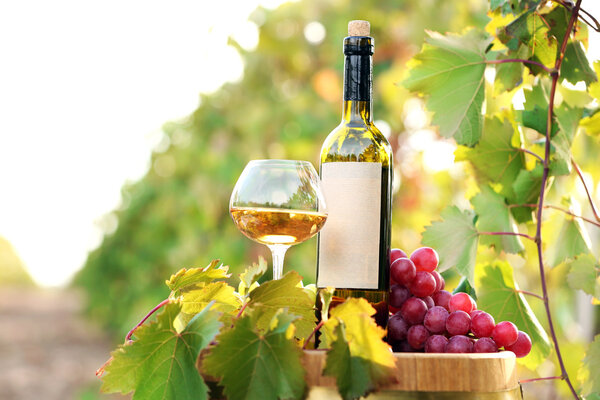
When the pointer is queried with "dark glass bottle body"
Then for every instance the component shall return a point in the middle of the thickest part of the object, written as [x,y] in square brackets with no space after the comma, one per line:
[356,171]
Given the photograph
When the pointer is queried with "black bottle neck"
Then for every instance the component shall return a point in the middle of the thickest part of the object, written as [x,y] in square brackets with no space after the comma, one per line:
[358,78]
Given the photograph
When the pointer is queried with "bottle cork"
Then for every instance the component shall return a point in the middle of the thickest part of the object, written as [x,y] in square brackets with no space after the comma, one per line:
[359,28]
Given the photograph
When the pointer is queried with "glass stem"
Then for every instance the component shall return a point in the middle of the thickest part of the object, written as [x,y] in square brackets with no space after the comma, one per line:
[278,252]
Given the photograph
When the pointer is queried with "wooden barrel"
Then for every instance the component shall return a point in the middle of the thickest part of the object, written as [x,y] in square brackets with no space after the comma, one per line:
[490,376]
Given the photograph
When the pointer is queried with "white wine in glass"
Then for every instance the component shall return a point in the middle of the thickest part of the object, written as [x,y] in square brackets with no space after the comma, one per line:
[278,203]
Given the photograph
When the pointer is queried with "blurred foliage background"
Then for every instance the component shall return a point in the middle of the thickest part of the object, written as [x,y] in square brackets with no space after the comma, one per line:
[284,107]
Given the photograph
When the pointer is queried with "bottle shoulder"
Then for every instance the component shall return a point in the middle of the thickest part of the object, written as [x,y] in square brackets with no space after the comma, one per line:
[356,141]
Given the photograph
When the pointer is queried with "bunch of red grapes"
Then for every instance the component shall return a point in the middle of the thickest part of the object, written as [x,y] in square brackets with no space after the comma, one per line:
[428,318]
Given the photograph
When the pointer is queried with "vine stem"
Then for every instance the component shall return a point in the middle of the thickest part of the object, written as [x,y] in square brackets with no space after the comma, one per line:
[531,153]
[558,209]
[530,294]
[546,378]
[595,25]
[538,234]
[508,233]
[587,191]
[520,60]
[319,325]
[161,304]
[239,314]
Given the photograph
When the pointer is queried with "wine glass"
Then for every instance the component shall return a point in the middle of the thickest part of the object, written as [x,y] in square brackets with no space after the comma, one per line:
[278,203]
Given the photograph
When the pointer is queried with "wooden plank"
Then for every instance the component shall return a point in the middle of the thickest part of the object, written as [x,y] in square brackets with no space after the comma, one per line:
[422,372]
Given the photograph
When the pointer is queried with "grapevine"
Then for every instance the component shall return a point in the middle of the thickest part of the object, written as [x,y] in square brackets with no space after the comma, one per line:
[533,21]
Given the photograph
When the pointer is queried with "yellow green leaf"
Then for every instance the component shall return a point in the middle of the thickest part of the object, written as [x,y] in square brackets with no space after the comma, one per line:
[284,293]
[194,276]
[355,339]
[248,278]
[224,298]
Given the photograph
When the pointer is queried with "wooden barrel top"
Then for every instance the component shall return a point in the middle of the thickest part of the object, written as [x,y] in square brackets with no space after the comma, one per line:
[422,372]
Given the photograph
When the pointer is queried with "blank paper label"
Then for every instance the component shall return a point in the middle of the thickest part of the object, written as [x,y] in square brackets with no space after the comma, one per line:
[349,241]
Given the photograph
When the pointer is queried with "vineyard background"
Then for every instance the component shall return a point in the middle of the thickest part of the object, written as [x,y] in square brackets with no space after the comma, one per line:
[287,102]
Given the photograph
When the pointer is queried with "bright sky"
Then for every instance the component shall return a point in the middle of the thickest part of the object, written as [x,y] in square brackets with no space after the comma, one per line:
[84,90]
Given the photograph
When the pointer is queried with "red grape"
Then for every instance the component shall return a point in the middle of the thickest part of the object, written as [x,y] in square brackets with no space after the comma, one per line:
[485,345]
[474,313]
[435,319]
[396,254]
[459,344]
[458,323]
[393,310]
[397,328]
[423,284]
[403,270]
[429,301]
[473,303]
[398,295]
[461,301]
[417,336]
[413,310]
[522,346]
[441,298]
[482,324]
[402,347]
[440,283]
[425,259]
[436,344]
[505,333]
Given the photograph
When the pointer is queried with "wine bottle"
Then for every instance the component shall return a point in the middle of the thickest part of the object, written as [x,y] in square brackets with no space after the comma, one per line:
[356,175]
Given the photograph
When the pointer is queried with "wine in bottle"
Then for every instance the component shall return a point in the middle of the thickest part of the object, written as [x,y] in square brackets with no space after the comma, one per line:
[356,176]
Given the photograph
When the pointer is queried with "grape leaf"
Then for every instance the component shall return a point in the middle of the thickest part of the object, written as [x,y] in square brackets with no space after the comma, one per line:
[572,240]
[495,159]
[494,216]
[220,293]
[464,286]
[350,312]
[576,66]
[455,239]
[527,188]
[538,95]
[537,118]
[567,119]
[449,70]
[258,364]
[589,370]
[509,75]
[583,274]
[530,30]
[513,6]
[283,293]
[325,296]
[161,363]
[248,278]
[194,276]
[591,123]
[351,373]
[361,345]
[595,87]
[499,296]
